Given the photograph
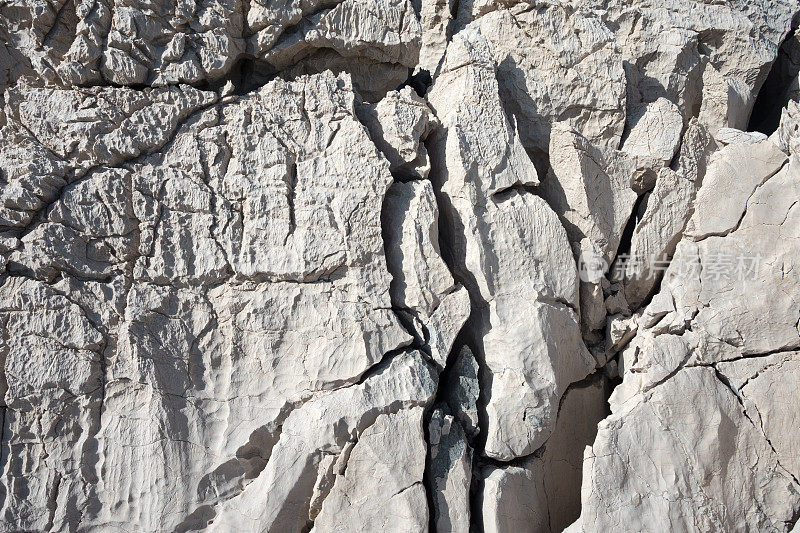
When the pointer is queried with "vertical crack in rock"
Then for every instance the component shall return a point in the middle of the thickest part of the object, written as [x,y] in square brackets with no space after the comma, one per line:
[291,185]
[467,342]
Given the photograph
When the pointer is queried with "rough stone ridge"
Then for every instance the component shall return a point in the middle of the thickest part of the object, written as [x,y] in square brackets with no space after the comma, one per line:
[404,265]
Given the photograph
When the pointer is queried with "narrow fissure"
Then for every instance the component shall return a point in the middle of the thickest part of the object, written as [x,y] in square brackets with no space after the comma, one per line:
[465,337]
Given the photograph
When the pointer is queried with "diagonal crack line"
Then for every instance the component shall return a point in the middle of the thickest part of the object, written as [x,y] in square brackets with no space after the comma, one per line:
[760,426]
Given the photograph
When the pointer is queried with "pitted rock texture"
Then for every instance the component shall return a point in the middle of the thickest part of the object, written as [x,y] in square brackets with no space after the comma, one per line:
[399,265]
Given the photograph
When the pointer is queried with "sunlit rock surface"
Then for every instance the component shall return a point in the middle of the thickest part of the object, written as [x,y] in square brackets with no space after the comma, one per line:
[399,265]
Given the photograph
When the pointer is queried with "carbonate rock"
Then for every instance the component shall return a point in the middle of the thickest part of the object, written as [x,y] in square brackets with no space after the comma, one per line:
[184,43]
[229,251]
[462,388]
[450,458]
[92,42]
[548,58]
[437,22]
[334,265]
[686,370]
[398,125]
[710,60]
[765,385]
[738,170]
[668,209]
[592,192]
[713,469]
[421,282]
[382,38]
[87,42]
[372,415]
[786,137]
[655,130]
[382,30]
[541,492]
[380,491]
[727,136]
[511,246]
[53,137]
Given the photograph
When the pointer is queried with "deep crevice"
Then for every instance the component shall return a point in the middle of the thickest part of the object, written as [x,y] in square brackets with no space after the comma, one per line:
[626,239]
[427,478]
[420,81]
[3,454]
[779,87]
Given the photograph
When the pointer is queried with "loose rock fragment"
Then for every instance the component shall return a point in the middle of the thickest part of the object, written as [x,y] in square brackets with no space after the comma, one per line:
[541,492]
[450,458]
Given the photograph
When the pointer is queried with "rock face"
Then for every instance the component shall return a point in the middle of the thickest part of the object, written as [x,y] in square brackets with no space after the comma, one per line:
[399,265]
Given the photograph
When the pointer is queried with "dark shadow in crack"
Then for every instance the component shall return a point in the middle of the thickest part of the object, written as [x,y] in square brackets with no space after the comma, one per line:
[780,86]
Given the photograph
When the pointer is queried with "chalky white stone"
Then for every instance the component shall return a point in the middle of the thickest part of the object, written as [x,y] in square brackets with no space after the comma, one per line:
[404,265]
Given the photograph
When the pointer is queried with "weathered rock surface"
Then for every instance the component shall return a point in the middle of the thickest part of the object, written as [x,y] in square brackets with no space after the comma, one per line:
[422,285]
[375,265]
[510,246]
[451,471]
[541,492]
[683,404]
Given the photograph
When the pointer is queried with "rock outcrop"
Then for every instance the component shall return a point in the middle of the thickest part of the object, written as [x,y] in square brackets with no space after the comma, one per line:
[399,265]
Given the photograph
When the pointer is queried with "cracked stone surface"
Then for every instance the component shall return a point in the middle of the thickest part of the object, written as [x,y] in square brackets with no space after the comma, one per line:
[405,265]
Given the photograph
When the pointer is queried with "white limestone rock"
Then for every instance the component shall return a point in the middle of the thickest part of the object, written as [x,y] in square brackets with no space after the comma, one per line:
[548,59]
[668,209]
[725,136]
[384,406]
[347,264]
[89,42]
[736,171]
[372,79]
[511,246]
[184,43]
[398,125]
[766,385]
[687,454]
[85,42]
[708,59]
[54,137]
[787,136]
[541,493]
[52,389]
[421,282]
[682,403]
[238,288]
[655,130]
[377,31]
[592,191]
[381,491]
[436,21]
